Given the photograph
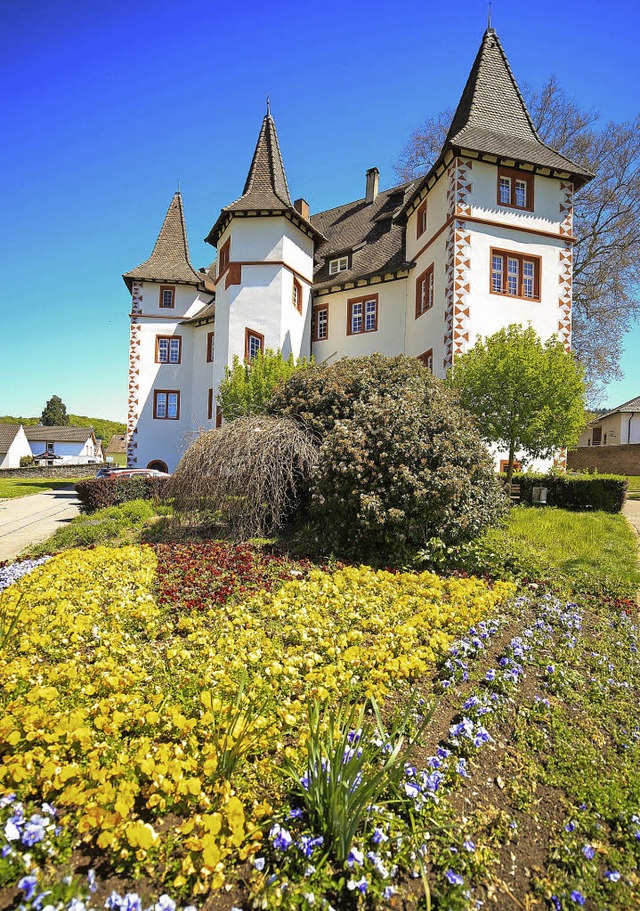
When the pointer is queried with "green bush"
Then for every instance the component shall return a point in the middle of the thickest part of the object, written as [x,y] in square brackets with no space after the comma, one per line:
[576,492]
[99,493]
[26,461]
[400,462]
[320,395]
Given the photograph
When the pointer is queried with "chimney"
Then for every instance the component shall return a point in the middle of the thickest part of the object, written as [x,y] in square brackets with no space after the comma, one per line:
[302,208]
[373,175]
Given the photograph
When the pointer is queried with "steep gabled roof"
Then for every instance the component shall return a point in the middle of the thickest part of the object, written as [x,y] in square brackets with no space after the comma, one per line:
[265,189]
[117,444]
[367,232]
[58,434]
[492,117]
[169,261]
[8,433]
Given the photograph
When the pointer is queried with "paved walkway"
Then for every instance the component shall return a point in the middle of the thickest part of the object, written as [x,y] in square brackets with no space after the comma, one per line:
[631,510]
[29,520]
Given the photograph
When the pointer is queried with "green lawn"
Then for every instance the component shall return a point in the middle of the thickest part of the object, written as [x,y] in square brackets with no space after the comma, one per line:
[634,482]
[22,487]
[591,551]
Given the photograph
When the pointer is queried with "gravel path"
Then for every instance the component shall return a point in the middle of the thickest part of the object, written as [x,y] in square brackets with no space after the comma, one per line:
[28,520]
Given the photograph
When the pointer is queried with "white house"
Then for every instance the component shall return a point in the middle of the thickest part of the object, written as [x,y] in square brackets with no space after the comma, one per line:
[13,445]
[483,240]
[617,427]
[63,445]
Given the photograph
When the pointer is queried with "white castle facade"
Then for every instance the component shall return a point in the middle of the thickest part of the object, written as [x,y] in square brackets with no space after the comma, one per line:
[483,240]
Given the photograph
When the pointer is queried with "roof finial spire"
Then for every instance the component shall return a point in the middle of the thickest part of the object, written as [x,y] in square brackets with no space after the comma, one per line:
[178,184]
[489,27]
[268,106]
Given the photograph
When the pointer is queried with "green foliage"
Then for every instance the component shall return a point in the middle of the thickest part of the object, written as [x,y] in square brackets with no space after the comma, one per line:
[579,492]
[25,461]
[321,395]
[54,413]
[98,493]
[400,462]
[115,524]
[526,394]
[10,488]
[102,428]
[247,387]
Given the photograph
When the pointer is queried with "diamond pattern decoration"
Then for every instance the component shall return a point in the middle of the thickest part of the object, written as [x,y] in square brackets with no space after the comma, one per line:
[566,209]
[565,277]
[134,375]
[458,262]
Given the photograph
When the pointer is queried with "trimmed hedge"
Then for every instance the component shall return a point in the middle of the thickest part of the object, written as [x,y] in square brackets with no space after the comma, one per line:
[578,492]
[98,493]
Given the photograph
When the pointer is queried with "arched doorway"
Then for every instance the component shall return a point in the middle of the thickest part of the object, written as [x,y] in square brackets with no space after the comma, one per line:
[158,465]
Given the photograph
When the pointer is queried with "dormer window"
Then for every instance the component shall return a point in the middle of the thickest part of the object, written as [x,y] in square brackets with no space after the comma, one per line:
[338,265]
[515,189]
[167,297]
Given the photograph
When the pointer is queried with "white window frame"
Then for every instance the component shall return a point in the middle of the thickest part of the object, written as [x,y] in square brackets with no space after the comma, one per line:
[341,264]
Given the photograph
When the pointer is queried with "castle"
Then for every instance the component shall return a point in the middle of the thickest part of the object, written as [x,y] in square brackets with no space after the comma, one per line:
[483,240]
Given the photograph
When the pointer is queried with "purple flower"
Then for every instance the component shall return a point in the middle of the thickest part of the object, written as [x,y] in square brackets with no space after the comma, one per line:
[577,897]
[34,831]
[454,878]
[589,852]
[93,885]
[165,903]
[612,875]
[131,902]
[570,826]
[411,790]
[469,845]
[490,675]
[280,837]
[378,836]
[28,885]
[295,813]
[355,857]
[307,843]
[361,885]
[258,863]
[556,903]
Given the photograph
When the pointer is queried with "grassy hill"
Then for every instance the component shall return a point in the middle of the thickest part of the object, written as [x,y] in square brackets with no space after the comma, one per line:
[103,429]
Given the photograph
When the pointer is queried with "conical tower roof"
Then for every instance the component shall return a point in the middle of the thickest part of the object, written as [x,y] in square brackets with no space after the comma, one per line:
[169,261]
[492,117]
[265,189]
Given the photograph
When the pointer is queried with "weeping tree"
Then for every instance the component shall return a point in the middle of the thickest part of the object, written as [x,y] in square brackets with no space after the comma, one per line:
[252,475]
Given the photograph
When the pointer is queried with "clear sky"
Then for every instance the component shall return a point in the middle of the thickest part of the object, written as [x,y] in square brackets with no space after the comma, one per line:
[107,106]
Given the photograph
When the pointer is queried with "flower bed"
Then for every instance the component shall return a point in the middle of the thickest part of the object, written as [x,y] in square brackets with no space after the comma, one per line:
[157,733]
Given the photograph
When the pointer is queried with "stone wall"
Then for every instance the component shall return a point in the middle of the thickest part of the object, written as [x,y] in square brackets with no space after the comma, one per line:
[606,459]
[54,471]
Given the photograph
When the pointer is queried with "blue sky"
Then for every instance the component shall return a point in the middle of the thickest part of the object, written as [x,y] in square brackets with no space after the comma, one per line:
[107,106]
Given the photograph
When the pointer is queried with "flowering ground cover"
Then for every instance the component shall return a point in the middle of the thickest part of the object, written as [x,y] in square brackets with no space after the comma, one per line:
[213,726]
[161,745]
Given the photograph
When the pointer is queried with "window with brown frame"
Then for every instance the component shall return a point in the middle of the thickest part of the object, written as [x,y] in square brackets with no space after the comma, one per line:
[424,291]
[427,359]
[515,189]
[422,220]
[209,404]
[168,349]
[362,314]
[253,344]
[167,297]
[320,329]
[504,465]
[223,256]
[210,349]
[515,275]
[218,416]
[166,404]
[297,295]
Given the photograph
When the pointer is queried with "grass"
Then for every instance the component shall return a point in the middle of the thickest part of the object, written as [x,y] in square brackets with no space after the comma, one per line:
[10,488]
[128,523]
[634,483]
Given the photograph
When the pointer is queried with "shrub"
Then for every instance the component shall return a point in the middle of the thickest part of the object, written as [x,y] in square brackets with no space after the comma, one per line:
[577,492]
[26,461]
[246,388]
[320,395]
[404,466]
[98,493]
[251,474]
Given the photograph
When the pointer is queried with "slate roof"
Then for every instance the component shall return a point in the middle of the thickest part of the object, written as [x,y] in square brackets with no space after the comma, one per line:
[58,434]
[205,315]
[492,116]
[169,261]
[361,223]
[632,406]
[266,188]
[8,433]
[117,444]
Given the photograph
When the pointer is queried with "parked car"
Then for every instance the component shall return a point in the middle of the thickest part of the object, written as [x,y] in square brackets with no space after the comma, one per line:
[111,469]
[123,472]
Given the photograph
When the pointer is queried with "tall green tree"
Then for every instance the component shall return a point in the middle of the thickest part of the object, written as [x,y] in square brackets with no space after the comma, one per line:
[55,413]
[527,395]
[247,387]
